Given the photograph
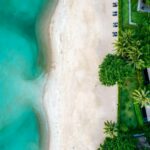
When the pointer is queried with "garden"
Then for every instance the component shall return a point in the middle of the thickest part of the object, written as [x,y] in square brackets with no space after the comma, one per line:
[136,16]
[125,68]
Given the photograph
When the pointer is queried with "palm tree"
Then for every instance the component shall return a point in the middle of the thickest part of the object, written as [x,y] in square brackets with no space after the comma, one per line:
[141,97]
[134,55]
[129,49]
[122,45]
[138,64]
[110,129]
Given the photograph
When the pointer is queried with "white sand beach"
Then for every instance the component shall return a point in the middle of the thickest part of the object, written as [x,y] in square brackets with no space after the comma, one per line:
[76,103]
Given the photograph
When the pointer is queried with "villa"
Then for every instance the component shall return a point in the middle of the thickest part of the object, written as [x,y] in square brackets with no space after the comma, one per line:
[143,5]
[146,114]
[147,75]
[146,110]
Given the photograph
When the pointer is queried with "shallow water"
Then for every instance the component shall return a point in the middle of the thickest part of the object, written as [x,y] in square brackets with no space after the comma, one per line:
[20,86]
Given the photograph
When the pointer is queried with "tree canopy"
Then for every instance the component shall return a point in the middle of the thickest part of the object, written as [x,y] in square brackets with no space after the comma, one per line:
[142,32]
[141,97]
[128,47]
[110,129]
[121,142]
[148,2]
[114,70]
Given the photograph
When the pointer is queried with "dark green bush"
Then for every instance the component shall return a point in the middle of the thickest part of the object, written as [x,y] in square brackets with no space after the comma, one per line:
[121,142]
[147,2]
[114,70]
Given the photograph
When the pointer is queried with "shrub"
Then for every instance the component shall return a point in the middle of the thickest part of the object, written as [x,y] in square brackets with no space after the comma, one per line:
[142,32]
[121,142]
[148,2]
[110,129]
[114,70]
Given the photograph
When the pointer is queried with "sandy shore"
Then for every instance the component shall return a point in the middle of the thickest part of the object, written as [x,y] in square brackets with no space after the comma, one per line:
[76,103]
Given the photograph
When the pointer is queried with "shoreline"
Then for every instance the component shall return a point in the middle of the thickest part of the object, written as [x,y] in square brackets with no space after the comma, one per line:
[42,26]
[76,103]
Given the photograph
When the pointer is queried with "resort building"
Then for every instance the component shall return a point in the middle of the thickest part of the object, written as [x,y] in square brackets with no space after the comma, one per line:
[146,73]
[146,110]
[143,6]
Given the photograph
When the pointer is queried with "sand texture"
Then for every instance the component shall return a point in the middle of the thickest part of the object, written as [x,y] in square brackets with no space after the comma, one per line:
[76,103]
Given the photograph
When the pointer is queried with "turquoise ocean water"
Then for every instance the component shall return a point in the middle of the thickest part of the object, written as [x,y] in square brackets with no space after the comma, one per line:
[19,72]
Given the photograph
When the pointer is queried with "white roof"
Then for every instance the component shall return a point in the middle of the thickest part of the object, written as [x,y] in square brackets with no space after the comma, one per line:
[147,108]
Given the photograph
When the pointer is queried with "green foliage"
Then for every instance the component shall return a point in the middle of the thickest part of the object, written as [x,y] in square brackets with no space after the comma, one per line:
[123,128]
[128,48]
[146,130]
[132,49]
[110,129]
[142,32]
[123,43]
[141,97]
[139,115]
[123,14]
[114,70]
[147,2]
[146,54]
[121,142]
[126,114]
[137,16]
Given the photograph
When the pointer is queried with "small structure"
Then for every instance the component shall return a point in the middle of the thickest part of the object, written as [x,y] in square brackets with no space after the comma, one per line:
[147,109]
[142,6]
[144,113]
[146,73]
[142,141]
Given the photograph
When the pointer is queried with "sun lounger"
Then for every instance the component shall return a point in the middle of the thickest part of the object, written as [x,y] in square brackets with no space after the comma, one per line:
[115,34]
[114,13]
[115,4]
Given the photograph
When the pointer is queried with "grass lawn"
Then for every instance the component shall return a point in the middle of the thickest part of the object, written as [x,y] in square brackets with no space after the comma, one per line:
[138,17]
[124,13]
[129,114]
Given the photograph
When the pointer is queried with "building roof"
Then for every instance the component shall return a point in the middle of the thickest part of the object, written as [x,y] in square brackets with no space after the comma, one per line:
[147,108]
[148,71]
[143,7]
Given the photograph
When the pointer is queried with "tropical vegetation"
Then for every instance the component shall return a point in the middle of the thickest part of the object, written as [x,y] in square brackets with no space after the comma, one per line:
[147,2]
[141,97]
[121,142]
[114,69]
[115,140]
[125,68]
[110,129]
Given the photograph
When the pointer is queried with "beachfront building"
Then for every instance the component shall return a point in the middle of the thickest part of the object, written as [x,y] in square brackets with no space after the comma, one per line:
[146,73]
[144,5]
[146,114]
[146,110]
